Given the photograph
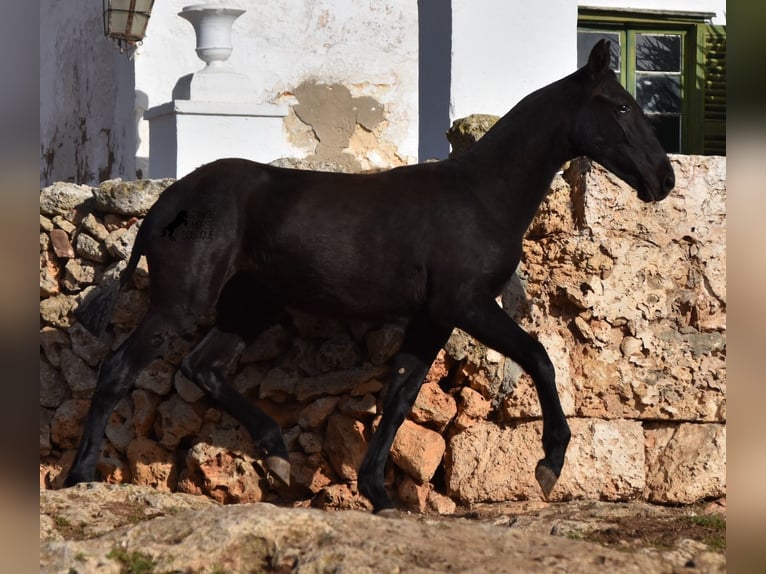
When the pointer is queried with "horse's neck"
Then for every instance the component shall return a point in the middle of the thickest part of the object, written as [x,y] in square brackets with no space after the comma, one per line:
[521,154]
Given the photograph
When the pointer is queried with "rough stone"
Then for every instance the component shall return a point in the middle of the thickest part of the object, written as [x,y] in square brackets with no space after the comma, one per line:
[51,342]
[315,414]
[152,465]
[227,477]
[119,243]
[158,377]
[66,425]
[414,494]
[605,460]
[79,376]
[90,249]
[685,463]
[50,271]
[465,132]
[78,275]
[364,407]
[345,445]
[472,408]
[94,228]
[187,389]
[119,429]
[53,387]
[418,451]
[62,247]
[90,348]
[311,472]
[60,198]
[56,310]
[145,405]
[382,344]
[131,198]
[433,407]
[177,421]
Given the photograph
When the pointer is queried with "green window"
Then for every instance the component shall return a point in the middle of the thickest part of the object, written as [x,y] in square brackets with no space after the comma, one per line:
[674,66]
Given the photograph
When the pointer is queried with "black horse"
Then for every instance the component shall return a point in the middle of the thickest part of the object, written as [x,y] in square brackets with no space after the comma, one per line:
[431,243]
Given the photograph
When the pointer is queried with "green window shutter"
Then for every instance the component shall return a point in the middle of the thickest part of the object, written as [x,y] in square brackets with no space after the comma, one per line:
[712,40]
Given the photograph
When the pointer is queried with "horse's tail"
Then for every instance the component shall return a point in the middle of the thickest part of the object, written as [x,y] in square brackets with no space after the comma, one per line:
[95,311]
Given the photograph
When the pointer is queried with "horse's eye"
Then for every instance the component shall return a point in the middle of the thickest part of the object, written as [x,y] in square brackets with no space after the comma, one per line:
[623,109]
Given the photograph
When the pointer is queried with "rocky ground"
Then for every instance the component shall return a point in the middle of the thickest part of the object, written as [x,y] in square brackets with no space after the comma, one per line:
[132,529]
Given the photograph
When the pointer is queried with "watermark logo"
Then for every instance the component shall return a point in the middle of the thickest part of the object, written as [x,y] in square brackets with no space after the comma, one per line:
[191,224]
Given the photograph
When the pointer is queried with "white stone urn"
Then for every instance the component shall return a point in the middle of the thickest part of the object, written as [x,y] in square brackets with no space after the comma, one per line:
[212,25]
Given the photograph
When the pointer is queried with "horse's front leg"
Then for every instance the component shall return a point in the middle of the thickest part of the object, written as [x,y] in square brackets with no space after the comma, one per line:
[422,342]
[488,323]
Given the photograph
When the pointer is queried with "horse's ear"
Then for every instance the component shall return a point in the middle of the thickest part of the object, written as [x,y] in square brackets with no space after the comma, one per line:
[599,58]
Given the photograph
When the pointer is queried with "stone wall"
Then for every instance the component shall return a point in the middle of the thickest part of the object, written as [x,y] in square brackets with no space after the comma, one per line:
[628,298]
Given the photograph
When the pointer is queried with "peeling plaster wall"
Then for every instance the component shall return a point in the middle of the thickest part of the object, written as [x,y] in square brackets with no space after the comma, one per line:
[87,119]
[369,47]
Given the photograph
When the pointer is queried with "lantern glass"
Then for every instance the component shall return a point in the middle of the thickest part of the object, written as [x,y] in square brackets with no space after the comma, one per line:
[127,19]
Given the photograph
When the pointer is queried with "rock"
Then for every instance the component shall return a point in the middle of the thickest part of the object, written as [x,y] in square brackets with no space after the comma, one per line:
[90,249]
[311,442]
[311,472]
[66,425]
[177,421]
[227,477]
[336,382]
[79,376]
[78,275]
[268,345]
[183,533]
[413,493]
[187,389]
[111,466]
[440,504]
[52,341]
[53,387]
[56,310]
[464,132]
[365,407]
[131,198]
[418,451]
[315,414]
[158,377]
[119,243]
[46,415]
[339,352]
[145,405]
[473,407]
[685,463]
[152,465]
[60,198]
[50,270]
[119,429]
[382,344]
[65,223]
[94,228]
[487,463]
[90,348]
[61,244]
[433,407]
[345,445]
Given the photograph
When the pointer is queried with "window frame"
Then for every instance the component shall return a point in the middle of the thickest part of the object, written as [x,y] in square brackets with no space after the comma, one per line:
[628,23]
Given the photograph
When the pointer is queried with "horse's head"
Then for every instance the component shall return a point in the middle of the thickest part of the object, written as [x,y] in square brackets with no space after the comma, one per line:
[611,129]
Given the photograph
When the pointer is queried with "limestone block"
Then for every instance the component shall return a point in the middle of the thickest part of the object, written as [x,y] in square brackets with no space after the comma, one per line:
[685,463]
[316,413]
[605,460]
[225,475]
[60,198]
[418,451]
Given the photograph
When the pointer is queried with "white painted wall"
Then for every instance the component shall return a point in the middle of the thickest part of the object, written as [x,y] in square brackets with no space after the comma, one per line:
[87,122]
[369,46]
[503,50]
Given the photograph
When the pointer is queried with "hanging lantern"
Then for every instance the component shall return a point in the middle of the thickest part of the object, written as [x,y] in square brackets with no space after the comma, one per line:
[125,21]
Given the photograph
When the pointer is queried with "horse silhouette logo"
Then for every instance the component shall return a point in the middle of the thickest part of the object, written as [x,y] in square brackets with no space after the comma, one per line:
[170,228]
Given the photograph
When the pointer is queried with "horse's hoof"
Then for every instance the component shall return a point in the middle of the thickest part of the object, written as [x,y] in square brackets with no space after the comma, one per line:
[546,478]
[388,513]
[279,467]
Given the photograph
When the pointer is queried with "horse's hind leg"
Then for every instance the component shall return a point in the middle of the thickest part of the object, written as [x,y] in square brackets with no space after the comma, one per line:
[116,377]
[206,365]
[486,321]
[422,342]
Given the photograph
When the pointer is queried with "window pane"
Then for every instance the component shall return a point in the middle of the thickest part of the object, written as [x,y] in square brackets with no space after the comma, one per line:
[668,130]
[659,93]
[586,39]
[658,52]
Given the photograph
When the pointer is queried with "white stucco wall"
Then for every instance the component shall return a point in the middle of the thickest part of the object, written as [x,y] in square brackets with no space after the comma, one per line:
[371,47]
[502,51]
[87,123]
